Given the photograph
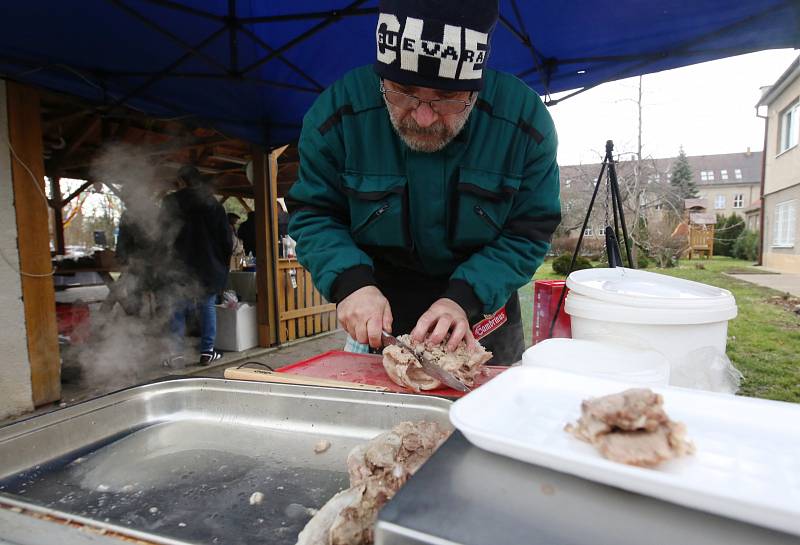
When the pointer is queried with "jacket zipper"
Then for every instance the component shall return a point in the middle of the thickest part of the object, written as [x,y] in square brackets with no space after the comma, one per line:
[482,213]
[372,217]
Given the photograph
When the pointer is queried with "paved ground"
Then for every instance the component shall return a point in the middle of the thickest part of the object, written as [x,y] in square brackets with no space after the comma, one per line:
[788,283]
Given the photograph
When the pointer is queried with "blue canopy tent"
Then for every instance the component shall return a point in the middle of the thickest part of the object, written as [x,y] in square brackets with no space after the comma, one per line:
[251,68]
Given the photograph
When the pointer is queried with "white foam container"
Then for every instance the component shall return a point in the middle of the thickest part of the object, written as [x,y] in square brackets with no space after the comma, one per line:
[603,360]
[747,460]
[646,310]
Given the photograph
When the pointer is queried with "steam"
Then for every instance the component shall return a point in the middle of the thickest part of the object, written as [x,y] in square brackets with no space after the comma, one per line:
[131,339]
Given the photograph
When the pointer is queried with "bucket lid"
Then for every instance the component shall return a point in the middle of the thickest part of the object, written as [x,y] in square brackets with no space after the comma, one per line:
[606,360]
[634,288]
[577,305]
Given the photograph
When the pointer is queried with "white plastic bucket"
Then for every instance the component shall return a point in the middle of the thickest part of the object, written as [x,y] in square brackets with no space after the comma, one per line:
[602,360]
[646,310]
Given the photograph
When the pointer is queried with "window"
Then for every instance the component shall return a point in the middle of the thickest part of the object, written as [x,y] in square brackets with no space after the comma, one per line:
[737,173]
[784,227]
[738,200]
[567,182]
[601,231]
[719,202]
[723,174]
[588,232]
[790,126]
[707,175]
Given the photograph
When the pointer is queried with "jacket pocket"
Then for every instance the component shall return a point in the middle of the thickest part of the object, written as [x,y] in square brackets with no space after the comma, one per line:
[377,209]
[481,204]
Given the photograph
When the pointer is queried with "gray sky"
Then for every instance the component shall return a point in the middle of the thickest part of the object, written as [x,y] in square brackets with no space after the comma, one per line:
[708,108]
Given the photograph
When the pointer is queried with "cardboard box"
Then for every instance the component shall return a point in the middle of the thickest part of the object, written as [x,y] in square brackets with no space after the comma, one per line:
[545,301]
[237,328]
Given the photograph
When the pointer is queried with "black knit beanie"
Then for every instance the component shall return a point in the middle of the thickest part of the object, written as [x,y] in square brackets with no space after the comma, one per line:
[443,44]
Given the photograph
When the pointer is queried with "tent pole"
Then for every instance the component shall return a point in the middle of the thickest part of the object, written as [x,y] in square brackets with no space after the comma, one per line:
[58,214]
[158,28]
[302,37]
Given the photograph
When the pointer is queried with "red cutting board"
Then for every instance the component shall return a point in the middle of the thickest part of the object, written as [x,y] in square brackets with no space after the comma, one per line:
[367,369]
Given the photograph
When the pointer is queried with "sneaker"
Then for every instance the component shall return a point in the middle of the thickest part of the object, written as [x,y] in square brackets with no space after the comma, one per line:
[174,362]
[207,357]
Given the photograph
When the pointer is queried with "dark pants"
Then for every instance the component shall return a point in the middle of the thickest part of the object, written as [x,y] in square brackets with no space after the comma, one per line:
[411,294]
[207,311]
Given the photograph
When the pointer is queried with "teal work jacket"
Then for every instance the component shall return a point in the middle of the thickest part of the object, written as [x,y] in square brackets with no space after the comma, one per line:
[479,213]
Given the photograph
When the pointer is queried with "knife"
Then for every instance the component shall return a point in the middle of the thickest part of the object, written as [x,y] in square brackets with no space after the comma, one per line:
[428,366]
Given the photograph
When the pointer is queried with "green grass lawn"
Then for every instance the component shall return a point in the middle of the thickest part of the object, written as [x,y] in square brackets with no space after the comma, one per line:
[763,340]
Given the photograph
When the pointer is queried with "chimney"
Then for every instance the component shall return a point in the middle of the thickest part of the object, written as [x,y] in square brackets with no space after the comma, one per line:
[748,153]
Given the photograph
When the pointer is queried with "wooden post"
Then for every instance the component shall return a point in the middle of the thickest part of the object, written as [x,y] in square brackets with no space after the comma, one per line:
[265,256]
[30,203]
[278,276]
[58,214]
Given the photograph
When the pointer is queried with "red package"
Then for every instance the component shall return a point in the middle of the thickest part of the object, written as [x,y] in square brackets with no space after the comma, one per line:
[545,301]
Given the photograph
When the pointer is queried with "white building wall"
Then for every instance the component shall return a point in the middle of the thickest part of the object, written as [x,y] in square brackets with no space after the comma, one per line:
[15,374]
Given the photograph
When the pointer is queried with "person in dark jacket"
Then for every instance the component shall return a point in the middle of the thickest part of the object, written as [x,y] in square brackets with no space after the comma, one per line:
[137,253]
[201,239]
[138,250]
[428,187]
[247,234]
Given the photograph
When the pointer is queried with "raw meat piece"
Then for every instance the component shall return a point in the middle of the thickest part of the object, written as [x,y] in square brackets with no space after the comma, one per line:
[321,446]
[318,529]
[632,428]
[645,448]
[377,471]
[404,369]
[256,498]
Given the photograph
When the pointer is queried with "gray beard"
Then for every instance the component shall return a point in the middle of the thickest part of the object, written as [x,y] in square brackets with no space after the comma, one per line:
[410,133]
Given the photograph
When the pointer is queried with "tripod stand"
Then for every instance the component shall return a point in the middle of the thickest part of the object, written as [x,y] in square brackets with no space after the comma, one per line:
[612,235]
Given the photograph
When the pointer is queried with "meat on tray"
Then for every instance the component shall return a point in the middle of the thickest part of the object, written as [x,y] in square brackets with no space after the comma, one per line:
[404,369]
[632,428]
[377,471]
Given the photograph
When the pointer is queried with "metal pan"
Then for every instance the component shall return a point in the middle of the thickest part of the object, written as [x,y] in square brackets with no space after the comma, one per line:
[179,461]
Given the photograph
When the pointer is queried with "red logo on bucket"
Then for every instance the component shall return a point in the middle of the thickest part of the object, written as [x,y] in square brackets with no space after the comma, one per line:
[484,327]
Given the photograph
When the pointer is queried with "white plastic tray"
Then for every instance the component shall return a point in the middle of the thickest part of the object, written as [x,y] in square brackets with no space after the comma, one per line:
[747,464]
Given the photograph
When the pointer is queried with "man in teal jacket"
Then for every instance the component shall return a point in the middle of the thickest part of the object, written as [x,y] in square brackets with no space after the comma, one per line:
[428,185]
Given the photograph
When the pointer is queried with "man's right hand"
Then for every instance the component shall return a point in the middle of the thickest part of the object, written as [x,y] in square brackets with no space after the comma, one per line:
[364,314]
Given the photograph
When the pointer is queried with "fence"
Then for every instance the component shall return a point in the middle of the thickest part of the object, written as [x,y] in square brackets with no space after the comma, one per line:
[302,311]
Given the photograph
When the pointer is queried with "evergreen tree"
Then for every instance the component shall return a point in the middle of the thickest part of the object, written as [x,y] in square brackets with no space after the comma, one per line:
[727,231]
[681,180]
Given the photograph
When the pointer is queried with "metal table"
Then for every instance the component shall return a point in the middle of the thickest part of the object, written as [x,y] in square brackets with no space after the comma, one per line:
[177,462]
[465,495]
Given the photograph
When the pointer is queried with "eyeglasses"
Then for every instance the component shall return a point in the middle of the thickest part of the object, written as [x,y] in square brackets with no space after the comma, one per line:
[442,106]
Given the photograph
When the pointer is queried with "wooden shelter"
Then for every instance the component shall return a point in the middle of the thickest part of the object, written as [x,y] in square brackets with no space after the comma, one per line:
[700,228]
[55,136]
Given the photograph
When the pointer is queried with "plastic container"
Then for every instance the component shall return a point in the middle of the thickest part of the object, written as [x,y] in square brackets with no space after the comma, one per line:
[603,360]
[645,310]
[745,466]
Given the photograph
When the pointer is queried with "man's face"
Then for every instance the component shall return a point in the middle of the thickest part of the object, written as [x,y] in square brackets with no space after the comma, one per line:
[422,128]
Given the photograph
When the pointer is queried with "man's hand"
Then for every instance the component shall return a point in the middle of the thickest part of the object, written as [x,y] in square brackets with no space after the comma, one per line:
[364,314]
[444,315]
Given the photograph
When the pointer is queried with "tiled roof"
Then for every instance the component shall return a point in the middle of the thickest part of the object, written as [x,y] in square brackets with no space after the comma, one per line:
[748,162]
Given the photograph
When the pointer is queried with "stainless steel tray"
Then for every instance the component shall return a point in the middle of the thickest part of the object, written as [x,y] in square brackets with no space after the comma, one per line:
[178,461]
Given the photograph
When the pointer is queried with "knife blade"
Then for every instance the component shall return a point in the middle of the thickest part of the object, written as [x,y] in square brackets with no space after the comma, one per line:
[428,366]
